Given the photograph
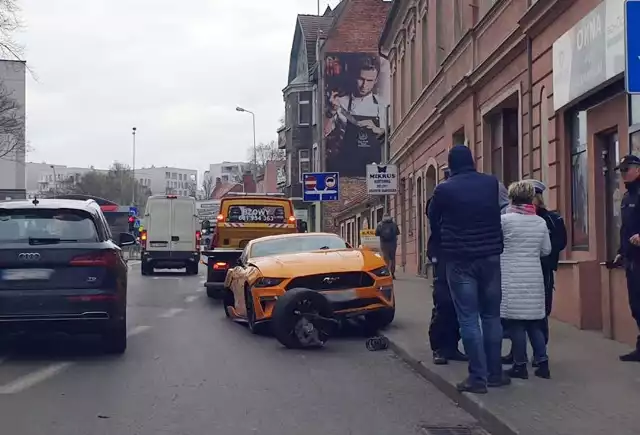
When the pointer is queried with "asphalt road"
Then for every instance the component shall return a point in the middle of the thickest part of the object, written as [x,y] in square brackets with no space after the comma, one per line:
[189,371]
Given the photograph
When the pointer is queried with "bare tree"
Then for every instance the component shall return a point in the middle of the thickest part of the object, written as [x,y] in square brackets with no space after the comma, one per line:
[265,152]
[12,123]
[208,185]
[10,22]
[115,185]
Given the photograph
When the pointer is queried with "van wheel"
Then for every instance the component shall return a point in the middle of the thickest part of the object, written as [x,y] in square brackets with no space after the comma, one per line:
[192,269]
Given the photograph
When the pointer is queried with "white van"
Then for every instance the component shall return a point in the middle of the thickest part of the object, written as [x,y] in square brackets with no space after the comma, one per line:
[171,238]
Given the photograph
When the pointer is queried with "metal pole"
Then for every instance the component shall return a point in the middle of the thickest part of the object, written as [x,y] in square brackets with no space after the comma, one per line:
[55,182]
[385,153]
[255,149]
[133,169]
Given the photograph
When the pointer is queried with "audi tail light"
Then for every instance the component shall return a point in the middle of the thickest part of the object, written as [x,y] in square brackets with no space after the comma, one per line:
[96,259]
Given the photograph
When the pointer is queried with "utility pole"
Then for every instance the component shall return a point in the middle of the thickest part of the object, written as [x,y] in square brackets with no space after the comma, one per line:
[133,169]
[55,182]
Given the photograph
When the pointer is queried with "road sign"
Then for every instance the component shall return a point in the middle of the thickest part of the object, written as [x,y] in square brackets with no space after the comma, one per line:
[382,179]
[632,45]
[321,186]
[133,211]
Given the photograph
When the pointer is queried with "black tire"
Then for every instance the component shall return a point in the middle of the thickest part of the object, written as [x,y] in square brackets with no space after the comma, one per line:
[378,320]
[255,328]
[115,338]
[285,317]
[228,301]
[192,269]
[146,269]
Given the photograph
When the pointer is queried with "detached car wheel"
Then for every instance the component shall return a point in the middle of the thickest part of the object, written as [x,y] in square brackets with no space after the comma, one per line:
[380,319]
[255,328]
[115,338]
[228,301]
[302,318]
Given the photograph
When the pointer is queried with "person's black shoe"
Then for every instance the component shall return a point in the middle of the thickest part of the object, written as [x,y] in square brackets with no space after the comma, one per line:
[534,364]
[458,356]
[507,359]
[518,371]
[543,370]
[631,356]
[439,359]
[469,387]
[501,381]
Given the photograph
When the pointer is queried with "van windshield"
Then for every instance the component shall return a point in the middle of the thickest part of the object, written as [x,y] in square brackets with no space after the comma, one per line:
[256,213]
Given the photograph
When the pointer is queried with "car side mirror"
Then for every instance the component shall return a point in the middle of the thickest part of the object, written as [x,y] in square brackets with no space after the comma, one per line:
[126,239]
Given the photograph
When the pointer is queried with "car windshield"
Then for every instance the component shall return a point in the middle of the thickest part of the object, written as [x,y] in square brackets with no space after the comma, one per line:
[46,224]
[292,245]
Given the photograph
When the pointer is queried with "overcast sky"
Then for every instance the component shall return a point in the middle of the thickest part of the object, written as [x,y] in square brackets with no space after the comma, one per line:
[175,70]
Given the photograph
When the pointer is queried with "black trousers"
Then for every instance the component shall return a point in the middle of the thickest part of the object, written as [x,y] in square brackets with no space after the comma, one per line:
[632,270]
[549,284]
[444,331]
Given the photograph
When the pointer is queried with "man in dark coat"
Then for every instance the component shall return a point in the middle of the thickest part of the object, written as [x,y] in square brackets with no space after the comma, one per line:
[444,329]
[465,212]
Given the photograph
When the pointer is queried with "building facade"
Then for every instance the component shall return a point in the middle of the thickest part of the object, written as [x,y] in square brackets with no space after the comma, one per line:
[536,90]
[228,172]
[13,138]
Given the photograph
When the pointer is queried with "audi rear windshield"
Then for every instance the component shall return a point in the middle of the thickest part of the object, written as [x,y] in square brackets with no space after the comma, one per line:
[54,225]
[256,214]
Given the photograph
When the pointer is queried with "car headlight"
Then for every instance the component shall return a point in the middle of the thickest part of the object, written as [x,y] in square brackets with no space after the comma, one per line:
[381,271]
[268,282]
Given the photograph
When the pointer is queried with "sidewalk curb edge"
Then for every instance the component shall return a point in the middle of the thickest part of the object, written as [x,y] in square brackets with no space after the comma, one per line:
[489,421]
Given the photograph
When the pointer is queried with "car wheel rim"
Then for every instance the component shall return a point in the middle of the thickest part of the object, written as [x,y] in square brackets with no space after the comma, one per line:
[304,330]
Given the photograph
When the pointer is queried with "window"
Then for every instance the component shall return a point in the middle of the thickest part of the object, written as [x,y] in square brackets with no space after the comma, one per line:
[180,177]
[304,108]
[579,181]
[304,163]
[342,234]
[167,175]
[459,138]
[315,158]
[457,20]
[413,77]
[379,214]
[174,176]
[349,232]
[440,48]
[411,210]
[289,169]
[403,82]
[358,228]
[314,116]
[425,50]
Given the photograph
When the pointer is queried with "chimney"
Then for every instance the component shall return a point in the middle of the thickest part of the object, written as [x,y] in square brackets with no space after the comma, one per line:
[248,182]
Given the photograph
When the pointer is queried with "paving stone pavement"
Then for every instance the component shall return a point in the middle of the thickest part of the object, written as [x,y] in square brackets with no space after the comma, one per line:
[590,393]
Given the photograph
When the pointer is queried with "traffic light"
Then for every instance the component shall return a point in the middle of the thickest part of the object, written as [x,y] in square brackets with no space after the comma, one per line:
[132,222]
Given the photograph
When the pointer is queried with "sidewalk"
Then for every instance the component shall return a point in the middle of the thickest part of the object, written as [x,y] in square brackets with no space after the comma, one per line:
[590,393]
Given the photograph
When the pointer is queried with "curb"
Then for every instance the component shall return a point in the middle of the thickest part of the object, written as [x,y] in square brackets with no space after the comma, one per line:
[468,402]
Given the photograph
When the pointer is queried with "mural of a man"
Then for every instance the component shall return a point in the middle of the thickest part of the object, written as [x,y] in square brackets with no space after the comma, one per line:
[355,112]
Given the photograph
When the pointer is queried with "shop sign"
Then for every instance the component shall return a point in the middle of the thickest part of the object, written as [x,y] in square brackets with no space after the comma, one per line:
[369,240]
[589,54]
[382,179]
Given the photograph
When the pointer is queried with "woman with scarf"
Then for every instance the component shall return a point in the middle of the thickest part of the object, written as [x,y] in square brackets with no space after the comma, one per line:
[526,239]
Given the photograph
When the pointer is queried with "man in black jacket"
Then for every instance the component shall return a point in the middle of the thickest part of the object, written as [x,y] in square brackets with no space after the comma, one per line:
[444,331]
[629,251]
[465,213]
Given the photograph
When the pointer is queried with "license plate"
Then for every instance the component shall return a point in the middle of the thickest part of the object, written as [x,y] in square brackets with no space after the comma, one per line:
[27,274]
[341,296]
[158,244]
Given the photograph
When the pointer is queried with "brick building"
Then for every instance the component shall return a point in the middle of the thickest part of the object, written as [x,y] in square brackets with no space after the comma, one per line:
[536,89]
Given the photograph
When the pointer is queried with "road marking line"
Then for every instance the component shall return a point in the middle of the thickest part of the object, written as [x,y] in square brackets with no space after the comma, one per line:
[34,378]
[172,312]
[138,330]
[191,298]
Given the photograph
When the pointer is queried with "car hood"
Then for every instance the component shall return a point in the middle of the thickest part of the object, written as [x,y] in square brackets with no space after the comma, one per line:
[311,263]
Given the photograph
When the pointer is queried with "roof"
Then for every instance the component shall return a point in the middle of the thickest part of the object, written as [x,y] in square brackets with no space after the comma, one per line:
[49,204]
[308,28]
[393,12]
[361,197]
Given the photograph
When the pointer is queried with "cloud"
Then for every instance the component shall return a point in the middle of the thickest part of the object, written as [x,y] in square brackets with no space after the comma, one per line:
[176,73]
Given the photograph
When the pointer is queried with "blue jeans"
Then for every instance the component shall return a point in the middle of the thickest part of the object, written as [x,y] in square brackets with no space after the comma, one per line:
[519,330]
[476,290]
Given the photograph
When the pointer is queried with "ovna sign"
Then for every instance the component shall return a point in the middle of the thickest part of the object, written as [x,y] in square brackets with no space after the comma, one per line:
[382,179]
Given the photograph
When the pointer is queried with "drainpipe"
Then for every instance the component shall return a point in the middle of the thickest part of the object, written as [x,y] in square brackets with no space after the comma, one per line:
[530,90]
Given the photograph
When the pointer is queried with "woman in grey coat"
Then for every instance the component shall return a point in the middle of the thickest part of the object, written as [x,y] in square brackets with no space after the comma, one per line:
[526,239]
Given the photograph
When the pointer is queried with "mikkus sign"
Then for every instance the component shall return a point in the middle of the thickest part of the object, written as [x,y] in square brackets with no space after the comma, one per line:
[382,179]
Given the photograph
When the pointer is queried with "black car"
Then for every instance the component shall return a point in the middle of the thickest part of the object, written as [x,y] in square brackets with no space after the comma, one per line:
[61,269]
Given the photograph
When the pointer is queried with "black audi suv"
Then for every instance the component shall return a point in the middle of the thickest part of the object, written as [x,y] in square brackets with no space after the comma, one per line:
[61,269]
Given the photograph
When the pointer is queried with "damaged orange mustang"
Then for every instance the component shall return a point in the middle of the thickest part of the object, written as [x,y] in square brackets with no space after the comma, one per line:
[302,285]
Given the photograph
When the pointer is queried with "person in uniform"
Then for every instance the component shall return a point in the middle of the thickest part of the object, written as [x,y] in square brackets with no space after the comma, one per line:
[629,251]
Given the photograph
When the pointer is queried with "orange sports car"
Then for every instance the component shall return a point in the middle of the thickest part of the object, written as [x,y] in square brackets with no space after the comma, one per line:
[299,282]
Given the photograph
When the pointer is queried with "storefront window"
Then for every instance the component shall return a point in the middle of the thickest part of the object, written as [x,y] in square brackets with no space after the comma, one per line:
[579,181]
[634,109]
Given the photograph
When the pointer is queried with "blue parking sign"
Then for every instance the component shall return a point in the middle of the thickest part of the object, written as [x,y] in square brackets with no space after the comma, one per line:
[320,186]
[632,45]
[133,211]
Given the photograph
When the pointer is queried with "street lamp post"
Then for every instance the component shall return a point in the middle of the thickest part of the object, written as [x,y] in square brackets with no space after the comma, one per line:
[255,151]
[55,181]
[133,169]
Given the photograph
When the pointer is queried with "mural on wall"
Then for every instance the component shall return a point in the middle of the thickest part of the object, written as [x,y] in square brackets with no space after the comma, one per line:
[356,96]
